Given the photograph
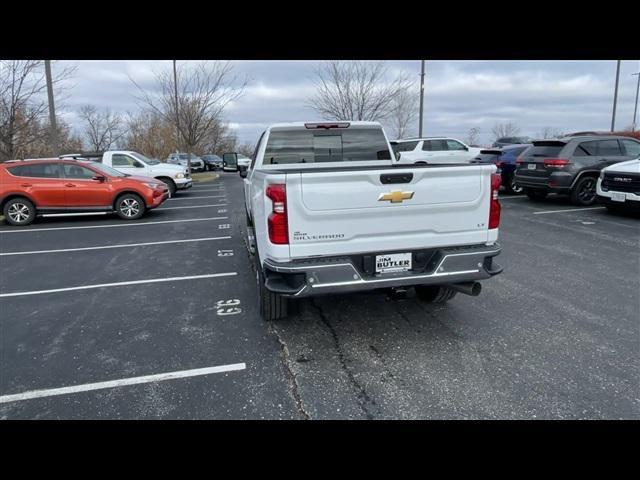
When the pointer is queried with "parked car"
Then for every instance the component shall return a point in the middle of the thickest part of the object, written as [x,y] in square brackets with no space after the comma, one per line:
[571,165]
[504,141]
[197,164]
[176,177]
[212,162]
[29,188]
[618,186]
[505,159]
[433,150]
[329,211]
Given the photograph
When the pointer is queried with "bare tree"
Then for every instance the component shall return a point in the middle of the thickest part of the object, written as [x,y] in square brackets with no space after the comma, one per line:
[473,136]
[247,149]
[23,104]
[508,129]
[354,90]
[102,129]
[220,140]
[202,95]
[549,132]
[404,112]
[150,134]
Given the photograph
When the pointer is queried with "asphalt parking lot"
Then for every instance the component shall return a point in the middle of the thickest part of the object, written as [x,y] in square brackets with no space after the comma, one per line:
[158,318]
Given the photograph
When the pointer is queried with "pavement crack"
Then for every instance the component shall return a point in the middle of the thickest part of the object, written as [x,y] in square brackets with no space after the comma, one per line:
[294,388]
[362,397]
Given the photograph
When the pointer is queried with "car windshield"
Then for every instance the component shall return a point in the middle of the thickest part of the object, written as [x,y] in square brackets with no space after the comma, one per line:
[106,169]
[142,158]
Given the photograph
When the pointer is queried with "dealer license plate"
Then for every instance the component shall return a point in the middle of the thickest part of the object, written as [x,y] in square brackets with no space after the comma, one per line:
[531,166]
[394,262]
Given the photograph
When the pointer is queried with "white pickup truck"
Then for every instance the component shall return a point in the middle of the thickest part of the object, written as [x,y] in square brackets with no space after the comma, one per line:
[176,177]
[329,210]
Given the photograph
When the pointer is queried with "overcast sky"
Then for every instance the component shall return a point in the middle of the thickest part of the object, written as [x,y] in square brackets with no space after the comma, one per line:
[459,95]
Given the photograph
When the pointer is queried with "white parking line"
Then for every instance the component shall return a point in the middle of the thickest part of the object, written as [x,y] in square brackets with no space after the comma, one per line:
[210,190]
[512,198]
[193,198]
[118,284]
[569,210]
[192,206]
[9,230]
[160,377]
[104,247]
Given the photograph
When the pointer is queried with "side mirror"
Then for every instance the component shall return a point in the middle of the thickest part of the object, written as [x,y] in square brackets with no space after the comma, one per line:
[398,154]
[99,178]
[230,159]
[243,172]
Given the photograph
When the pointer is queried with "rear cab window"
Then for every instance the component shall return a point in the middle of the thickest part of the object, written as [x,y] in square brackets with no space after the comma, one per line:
[353,145]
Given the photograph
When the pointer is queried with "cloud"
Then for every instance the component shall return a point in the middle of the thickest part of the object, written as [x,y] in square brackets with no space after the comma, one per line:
[568,95]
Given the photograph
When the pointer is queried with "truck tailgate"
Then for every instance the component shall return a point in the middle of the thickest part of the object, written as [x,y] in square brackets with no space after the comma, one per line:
[351,211]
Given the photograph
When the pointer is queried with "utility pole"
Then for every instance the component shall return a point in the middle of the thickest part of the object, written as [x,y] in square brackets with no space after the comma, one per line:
[635,109]
[53,129]
[421,100]
[615,99]
[175,99]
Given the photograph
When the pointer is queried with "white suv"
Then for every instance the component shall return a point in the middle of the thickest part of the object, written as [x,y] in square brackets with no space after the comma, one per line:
[618,187]
[433,150]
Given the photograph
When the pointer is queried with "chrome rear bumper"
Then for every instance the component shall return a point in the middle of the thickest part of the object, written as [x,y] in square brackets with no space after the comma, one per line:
[319,276]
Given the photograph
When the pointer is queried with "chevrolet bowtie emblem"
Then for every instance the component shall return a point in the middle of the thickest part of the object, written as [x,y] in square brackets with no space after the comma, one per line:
[395,197]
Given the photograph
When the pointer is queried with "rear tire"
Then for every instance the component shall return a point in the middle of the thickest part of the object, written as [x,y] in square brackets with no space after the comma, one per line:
[434,293]
[272,305]
[535,195]
[130,206]
[584,192]
[19,211]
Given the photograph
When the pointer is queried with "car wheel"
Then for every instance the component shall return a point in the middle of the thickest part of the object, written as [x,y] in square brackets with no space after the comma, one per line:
[130,206]
[19,211]
[584,192]
[536,195]
[170,185]
[434,293]
[272,305]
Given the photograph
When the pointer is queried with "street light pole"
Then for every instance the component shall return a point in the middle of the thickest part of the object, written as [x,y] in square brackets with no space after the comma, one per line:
[175,95]
[421,100]
[615,98]
[53,129]
[635,109]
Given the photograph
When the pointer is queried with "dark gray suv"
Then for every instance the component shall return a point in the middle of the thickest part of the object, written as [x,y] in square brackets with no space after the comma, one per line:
[571,165]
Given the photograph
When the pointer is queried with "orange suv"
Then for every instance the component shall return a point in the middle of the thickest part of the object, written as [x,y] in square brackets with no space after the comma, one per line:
[32,187]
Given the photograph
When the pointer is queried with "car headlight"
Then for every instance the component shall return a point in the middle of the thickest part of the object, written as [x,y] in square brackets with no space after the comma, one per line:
[152,185]
[179,175]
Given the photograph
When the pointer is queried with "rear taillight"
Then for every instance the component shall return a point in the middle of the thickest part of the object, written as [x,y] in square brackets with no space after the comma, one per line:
[277,222]
[519,161]
[494,209]
[555,162]
[498,164]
